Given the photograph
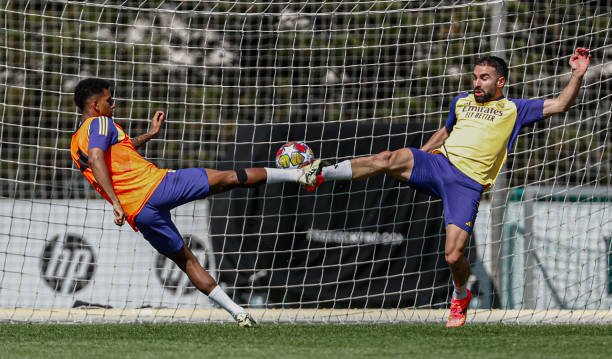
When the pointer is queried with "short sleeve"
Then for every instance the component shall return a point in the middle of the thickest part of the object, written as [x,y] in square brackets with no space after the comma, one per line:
[529,111]
[102,133]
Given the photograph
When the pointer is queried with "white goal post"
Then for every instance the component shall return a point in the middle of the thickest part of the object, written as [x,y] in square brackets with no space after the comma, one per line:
[239,78]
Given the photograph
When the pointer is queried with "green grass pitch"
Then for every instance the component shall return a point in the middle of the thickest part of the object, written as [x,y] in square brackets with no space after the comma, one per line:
[304,341]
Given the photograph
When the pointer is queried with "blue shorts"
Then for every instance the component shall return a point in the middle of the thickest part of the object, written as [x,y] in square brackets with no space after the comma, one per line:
[177,188]
[435,175]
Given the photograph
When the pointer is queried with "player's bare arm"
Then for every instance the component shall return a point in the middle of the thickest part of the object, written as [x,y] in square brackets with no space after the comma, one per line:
[579,63]
[100,172]
[436,140]
[154,128]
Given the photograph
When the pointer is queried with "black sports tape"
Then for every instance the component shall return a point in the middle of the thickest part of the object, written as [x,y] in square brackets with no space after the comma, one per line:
[242,176]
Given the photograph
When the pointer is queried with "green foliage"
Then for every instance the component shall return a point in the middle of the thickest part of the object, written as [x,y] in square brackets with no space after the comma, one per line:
[214,65]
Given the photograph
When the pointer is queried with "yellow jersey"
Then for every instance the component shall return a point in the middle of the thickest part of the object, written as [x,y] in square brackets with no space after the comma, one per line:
[483,133]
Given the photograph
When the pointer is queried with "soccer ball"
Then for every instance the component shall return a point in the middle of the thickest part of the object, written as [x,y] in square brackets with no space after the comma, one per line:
[294,154]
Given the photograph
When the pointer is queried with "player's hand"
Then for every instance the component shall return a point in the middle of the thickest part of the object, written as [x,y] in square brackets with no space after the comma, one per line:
[580,60]
[156,122]
[119,214]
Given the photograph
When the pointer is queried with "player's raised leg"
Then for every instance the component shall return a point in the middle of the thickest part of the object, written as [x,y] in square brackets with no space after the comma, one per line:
[454,248]
[221,181]
[397,163]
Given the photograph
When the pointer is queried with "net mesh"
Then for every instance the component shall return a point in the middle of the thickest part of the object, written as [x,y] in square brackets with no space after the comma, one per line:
[236,80]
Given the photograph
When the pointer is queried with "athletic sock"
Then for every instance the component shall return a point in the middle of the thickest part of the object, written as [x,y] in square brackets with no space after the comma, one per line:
[459,292]
[339,171]
[218,296]
[277,175]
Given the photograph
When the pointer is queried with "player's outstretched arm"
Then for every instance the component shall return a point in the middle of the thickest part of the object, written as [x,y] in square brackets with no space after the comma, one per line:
[100,172]
[579,63]
[156,123]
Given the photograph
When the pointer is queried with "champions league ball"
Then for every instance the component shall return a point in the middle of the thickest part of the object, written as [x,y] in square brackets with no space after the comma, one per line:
[294,155]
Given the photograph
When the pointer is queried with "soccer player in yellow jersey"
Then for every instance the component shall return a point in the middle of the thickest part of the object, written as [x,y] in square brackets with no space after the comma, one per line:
[463,158]
[143,194]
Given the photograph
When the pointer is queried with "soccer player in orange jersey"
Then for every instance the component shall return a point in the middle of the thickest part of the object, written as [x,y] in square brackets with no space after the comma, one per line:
[463,158]
[143,194]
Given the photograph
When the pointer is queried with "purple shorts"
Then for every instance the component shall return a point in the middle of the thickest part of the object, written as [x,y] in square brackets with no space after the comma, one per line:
[435,175]
[177,188]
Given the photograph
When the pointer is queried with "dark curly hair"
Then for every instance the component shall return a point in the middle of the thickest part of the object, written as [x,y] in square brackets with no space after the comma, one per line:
[87,88]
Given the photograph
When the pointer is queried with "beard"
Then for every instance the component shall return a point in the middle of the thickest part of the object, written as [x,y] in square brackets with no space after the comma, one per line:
[484,97]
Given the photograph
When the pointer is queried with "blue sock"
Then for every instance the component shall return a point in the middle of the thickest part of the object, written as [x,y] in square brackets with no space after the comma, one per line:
[459,292]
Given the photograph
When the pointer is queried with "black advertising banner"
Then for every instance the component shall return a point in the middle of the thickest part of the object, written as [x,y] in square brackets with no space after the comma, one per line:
[368,243]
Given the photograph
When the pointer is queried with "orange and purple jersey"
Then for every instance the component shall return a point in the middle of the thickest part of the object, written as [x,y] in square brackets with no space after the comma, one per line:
[134,179]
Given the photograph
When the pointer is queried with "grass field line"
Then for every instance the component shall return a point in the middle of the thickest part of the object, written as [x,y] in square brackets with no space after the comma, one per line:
[327,316]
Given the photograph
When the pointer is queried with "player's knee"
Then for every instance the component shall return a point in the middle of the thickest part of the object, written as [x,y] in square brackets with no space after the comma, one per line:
[228,179]
[453,258]
[382,160]
[393,161]
[221,181]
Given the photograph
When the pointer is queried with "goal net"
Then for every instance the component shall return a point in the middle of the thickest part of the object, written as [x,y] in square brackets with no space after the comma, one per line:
[237,79]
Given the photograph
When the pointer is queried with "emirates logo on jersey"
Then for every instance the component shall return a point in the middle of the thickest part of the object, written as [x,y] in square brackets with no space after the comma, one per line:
[477,112]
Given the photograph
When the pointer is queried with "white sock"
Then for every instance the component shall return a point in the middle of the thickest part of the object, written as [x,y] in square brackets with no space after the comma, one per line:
[277,175]
[339,171]
[459,292]
[218,296]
